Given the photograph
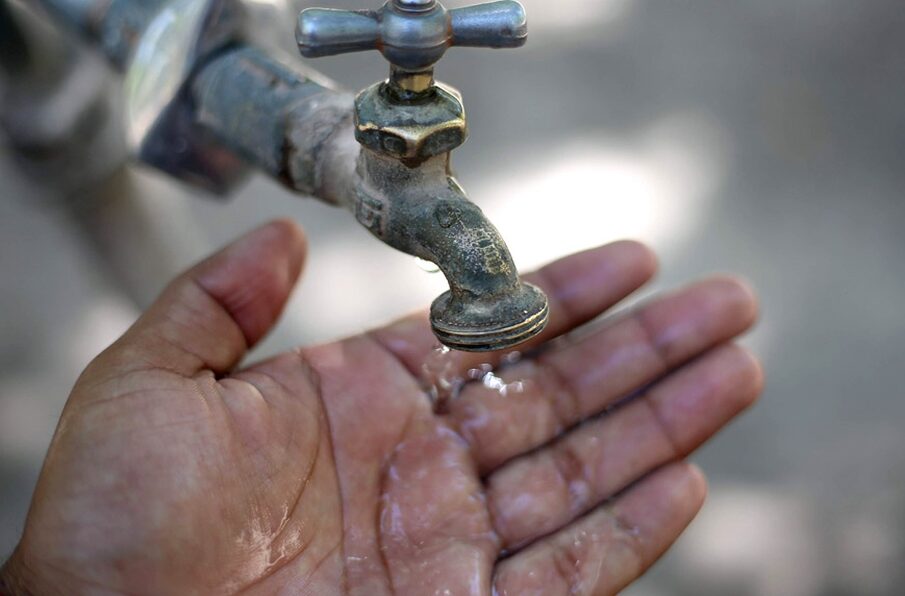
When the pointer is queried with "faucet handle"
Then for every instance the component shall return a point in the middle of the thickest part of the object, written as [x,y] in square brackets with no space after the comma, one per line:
[413,35]
[328,32]
[490,25]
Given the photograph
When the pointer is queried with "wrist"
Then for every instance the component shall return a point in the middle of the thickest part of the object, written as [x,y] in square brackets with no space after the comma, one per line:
[13,580]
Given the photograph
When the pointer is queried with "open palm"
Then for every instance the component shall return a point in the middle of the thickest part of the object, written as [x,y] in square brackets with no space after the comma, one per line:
[326,470]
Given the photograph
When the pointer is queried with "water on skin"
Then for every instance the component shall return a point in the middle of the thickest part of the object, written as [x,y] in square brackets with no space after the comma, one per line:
[412,502]
[440,374]
[585,577]
[444,381]
[432,509]
[591,545]
[585,557]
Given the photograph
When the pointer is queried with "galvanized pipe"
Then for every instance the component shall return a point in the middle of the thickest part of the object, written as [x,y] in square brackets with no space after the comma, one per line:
[274,117]
[14,49]
[114,26]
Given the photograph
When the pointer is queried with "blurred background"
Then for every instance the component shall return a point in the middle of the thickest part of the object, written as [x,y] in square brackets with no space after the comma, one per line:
[762,137]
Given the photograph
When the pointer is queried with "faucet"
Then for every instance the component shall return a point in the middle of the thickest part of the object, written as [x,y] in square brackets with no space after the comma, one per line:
[204,102]
[408,126]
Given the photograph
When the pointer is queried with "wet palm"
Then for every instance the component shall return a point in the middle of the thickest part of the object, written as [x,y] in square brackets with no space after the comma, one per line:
[326,470]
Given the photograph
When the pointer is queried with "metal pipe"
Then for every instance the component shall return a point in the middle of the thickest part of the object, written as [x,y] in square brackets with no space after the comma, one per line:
[15,53]
[275,118]
[114,26]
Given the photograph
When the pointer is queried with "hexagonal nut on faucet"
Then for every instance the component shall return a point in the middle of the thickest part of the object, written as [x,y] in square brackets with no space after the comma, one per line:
[411,131]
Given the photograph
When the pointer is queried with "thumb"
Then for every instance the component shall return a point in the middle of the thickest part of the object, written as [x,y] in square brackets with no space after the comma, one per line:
[212,314]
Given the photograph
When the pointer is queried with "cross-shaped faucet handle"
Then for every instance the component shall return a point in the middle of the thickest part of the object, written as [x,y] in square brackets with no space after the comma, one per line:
[412,34]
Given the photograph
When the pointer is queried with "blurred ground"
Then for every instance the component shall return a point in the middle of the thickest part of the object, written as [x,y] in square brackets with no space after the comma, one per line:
[765,137]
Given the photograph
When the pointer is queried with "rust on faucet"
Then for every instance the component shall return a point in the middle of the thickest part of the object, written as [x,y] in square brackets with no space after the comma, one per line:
[203,102]
[406,194]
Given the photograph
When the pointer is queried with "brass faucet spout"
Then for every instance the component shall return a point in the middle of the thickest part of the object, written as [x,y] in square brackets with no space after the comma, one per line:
[424,212]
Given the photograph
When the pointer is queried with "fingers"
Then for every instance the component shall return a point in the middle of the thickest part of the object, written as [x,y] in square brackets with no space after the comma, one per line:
[209,316]
[560,388]
[537,494]
[579,288]
[605,551]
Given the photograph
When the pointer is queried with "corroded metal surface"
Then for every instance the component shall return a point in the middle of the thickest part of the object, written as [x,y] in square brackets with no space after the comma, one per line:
[424,212]
[405,193]
[410,130]
[273,116]
[202,104]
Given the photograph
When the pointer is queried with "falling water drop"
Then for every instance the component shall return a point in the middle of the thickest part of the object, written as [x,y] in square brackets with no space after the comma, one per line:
[445,376]
[427,265]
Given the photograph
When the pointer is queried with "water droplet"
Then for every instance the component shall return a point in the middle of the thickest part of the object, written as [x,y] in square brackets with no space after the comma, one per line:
[440,375]
[444,381]
[512,358]
[427,265]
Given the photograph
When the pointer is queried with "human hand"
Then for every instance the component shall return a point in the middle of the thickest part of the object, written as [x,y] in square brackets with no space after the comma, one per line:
[326,470]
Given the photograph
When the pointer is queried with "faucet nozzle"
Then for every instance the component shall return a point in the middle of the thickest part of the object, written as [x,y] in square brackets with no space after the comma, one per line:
[407,127]
[490,324]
